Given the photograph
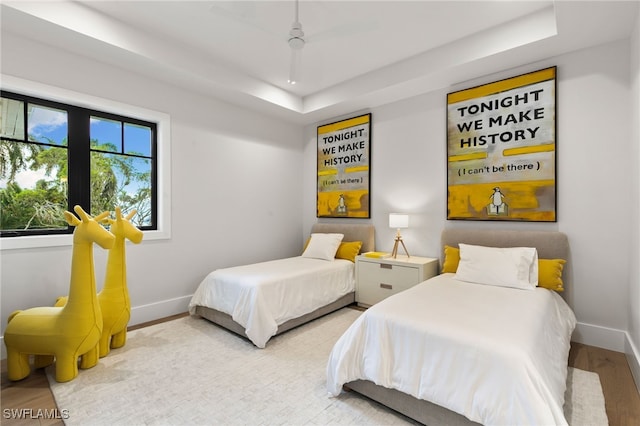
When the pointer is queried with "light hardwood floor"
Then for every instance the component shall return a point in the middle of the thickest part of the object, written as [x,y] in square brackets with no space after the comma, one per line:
[621,395]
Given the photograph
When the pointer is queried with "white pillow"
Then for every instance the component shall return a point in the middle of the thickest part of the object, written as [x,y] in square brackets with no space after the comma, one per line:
[515,267]
[323,246]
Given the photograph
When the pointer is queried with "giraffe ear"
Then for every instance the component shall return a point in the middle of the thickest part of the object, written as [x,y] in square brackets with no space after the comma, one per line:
[71,219]
[131,214]
[102,216]
[106,221]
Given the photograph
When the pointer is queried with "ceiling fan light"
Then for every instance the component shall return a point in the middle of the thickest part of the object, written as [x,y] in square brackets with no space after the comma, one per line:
[296,43]
[296,36]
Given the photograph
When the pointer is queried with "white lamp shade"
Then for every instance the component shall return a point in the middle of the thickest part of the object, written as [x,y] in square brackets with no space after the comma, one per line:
[398,220]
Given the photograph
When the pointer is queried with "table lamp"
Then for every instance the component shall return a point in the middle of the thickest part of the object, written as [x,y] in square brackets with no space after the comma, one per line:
[398,220]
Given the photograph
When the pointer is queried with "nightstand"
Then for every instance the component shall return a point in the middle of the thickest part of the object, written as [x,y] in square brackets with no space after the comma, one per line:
[377,279]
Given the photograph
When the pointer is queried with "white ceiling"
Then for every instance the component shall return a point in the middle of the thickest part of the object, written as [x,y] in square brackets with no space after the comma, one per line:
[359,54]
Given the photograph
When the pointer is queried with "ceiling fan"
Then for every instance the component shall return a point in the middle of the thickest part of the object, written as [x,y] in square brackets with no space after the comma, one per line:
[296,43]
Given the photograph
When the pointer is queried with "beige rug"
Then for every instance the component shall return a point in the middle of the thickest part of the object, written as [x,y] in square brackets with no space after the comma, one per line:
[191,372]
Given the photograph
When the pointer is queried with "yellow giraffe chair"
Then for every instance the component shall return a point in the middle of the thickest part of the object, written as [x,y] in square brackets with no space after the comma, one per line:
[63,332]
[114,296]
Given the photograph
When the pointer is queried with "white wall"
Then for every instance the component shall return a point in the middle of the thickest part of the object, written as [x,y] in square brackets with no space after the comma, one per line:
[236,189]
[408,173]
[633,349]
[236,176]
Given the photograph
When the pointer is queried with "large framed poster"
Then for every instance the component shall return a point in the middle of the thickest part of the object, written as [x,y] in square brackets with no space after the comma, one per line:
[343,168]
[501,150]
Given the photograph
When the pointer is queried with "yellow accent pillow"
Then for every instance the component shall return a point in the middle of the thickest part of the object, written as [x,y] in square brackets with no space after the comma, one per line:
[349,250]
[451,259]
[549,270]
[550,273]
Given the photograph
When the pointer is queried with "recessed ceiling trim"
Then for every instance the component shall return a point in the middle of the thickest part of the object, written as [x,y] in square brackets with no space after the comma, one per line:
[82,20]
[511,35]
[154,40]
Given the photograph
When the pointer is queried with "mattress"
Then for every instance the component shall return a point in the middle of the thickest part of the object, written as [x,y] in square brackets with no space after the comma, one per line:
[263,295]
[495,355]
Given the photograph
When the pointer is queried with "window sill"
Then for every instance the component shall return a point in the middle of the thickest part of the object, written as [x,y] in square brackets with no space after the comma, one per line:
[42,241]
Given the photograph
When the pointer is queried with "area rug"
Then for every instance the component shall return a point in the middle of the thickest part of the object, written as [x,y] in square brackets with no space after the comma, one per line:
[191,372]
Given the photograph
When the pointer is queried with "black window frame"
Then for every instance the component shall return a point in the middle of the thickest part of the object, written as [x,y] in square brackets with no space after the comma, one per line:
[79,157]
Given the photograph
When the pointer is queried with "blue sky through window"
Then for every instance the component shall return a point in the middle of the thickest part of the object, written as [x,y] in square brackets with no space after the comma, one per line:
[49,125]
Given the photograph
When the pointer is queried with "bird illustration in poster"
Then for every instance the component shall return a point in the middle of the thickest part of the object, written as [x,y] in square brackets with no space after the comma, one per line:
[497,206]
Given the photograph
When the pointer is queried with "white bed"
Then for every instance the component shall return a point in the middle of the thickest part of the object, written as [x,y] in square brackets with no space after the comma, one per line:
[261,300]
[454,352]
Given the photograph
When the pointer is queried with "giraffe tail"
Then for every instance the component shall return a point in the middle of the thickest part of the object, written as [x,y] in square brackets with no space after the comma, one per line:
[13,314]
[61,301]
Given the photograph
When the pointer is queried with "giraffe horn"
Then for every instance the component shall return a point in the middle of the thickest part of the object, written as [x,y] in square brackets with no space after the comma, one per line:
[131,214]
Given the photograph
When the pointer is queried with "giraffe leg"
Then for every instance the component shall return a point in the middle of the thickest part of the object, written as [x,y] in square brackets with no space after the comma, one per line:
[119,339]
[41,361]
[104,343]
[66,367]
[17,364]
[90,359]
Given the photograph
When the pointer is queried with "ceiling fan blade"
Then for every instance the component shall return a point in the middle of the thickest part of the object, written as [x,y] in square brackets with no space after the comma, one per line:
[243,13]
[345,30]
[295,65]
[296,43]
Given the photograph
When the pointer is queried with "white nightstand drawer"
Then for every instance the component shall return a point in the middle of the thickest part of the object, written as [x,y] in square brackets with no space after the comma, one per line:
[377,279]
[385,285]
[398,276]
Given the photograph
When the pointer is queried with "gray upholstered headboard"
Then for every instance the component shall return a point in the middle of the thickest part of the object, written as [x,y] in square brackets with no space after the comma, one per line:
[550,244]
[352,232]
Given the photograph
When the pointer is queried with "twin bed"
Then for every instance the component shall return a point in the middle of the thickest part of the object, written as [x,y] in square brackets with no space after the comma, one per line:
[265,299]
[453,352]
[448,351]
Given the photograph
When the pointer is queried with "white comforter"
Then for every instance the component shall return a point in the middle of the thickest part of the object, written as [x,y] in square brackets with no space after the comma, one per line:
[495,355]
[263,295]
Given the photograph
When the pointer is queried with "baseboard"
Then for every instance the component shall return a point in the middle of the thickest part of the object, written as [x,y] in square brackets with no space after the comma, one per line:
[592,335]
[602,337]
[158,310]
[633,358]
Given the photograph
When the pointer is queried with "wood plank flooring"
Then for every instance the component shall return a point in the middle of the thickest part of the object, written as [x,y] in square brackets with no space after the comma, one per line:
[621,397]
[32,397]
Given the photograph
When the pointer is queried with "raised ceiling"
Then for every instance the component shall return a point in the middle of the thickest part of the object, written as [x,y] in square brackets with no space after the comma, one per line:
[359,54]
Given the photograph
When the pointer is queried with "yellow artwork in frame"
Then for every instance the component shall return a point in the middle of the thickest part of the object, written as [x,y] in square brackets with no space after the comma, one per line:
[501,150]
[343,168]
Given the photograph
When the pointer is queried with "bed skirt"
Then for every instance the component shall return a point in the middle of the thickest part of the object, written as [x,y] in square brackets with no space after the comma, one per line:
[225,320]
[420,410]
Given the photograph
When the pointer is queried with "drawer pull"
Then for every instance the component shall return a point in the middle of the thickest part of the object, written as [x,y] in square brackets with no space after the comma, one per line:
[386,266]
[387,286]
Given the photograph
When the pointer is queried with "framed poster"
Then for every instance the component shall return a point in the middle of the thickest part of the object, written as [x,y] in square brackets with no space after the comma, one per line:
[343,168]
[501,150]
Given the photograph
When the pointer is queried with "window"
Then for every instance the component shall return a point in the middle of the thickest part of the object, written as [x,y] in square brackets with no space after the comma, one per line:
[55,155]
[122,167]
